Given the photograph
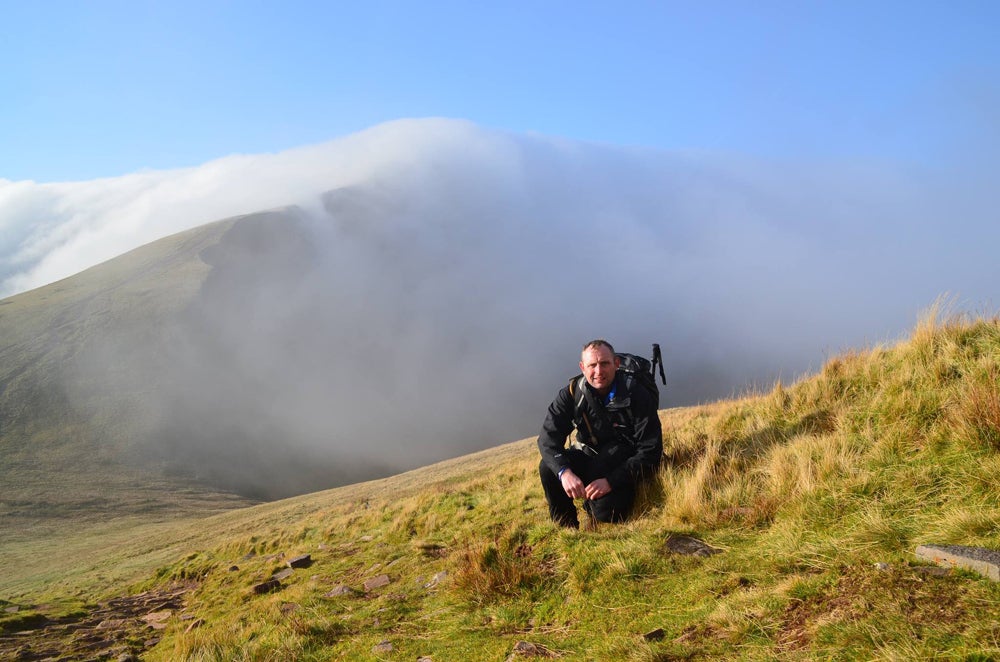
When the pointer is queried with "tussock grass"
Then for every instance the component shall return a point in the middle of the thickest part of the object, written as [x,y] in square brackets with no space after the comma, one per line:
[804,488]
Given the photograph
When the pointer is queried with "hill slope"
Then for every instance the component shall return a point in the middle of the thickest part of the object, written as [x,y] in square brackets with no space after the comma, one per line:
[70,401]
[161,381]
[802,489]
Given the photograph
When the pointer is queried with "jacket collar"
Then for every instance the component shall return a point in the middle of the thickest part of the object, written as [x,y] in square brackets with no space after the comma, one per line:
[619,394]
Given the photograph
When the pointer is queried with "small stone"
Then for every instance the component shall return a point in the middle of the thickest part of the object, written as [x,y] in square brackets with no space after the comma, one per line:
[687,545]
[11,610]
[194,625]
[301,561]
[338,591]
[882,566]
[432,549]
[267,587]
[654,635]
[282,574]
[377,582]
[234,568]
[436,579]
[157,619]
[528,649]
[382,647]
[111,623]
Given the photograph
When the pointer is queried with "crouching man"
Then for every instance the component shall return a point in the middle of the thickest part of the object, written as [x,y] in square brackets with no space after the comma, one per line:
[618,441]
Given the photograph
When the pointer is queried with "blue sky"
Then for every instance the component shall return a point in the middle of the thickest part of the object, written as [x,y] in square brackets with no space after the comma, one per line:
[100,89]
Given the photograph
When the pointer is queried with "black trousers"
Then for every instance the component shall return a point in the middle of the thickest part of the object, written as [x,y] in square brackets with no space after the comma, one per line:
[614,506]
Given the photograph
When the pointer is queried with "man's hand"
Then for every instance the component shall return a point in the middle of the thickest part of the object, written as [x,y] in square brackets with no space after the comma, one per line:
[597,489]
[572,485]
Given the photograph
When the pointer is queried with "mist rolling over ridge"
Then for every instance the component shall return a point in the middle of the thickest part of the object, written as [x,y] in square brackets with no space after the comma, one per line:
[421,289]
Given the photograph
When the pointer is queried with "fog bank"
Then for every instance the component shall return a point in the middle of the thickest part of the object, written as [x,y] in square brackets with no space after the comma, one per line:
[427,285]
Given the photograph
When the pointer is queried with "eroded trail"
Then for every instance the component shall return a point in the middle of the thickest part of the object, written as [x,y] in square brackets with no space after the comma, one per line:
[119,629]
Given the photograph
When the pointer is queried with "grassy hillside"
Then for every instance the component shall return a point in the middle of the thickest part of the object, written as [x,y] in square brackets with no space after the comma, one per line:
[71,400]
[803,489]
[92,369]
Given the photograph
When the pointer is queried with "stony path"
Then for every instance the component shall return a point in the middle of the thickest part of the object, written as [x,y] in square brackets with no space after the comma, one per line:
[119,629]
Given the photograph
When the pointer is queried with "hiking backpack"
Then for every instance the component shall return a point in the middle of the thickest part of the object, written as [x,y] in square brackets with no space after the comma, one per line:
[642,371]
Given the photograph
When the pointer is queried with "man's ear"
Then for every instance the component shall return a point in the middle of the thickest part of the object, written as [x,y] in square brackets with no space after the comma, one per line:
[581,367]
[618,362]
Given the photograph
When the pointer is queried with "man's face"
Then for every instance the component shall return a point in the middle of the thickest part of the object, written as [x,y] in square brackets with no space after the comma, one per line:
[598,365]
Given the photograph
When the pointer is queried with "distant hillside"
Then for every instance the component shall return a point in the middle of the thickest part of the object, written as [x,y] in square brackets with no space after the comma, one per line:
[811,499]
[99,412]
[71,401]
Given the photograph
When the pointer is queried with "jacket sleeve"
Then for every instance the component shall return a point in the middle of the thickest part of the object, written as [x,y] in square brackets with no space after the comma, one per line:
[648,442]
[557,427]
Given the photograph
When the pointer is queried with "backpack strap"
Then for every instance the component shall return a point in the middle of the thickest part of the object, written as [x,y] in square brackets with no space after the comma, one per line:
[578,389]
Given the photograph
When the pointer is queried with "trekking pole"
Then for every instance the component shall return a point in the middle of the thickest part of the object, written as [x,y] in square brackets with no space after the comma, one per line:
[658,359]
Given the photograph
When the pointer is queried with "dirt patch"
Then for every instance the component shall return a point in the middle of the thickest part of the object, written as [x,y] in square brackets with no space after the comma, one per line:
[860,592]
[121,627]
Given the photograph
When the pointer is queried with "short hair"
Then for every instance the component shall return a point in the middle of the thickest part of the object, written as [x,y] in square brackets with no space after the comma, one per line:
[599,342]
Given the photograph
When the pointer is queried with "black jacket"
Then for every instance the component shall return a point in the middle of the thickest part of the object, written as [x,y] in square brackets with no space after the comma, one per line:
[628,421]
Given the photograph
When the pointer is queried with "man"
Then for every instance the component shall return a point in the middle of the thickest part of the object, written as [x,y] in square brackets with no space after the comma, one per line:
[619,441]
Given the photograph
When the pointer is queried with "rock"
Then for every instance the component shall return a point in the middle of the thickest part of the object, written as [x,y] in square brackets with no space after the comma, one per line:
[128,657]
[267,587]
[978,559]
[111,623]
[431,548]
[882,566]
[158,619]
[436,579]
[424,658]
[234,568]
[194,625]
[654,635]
[528,649]
[339,590]
[11,610]
[301,561]
[282,574]
[287,608]
[377,582]
[382,647]
[689,546]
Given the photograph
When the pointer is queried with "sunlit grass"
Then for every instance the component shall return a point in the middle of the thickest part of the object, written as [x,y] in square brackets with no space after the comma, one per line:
[804,488]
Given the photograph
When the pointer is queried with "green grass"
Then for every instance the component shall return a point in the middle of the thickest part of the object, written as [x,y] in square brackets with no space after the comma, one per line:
[804,488]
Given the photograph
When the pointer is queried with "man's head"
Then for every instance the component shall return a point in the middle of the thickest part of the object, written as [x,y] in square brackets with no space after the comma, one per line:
[599,363]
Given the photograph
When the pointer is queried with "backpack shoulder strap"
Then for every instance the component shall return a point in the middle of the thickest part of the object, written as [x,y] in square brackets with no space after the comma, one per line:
[578,390]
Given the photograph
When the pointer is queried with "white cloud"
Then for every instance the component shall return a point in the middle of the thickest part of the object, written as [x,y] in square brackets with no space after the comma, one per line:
[510,250]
